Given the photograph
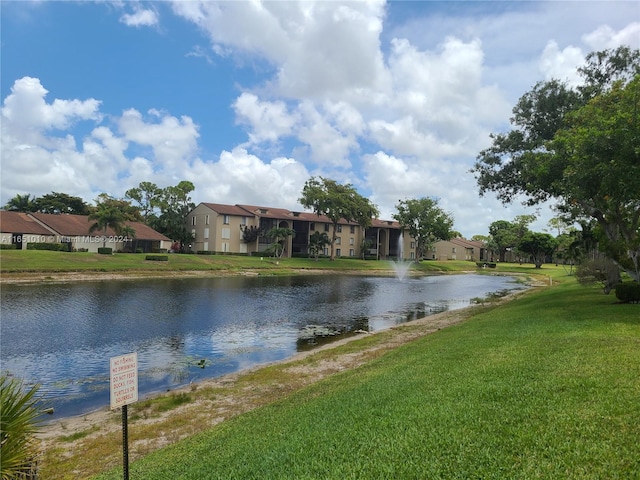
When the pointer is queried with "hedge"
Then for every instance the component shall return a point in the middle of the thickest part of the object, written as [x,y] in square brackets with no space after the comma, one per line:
[157,258]
[58,247]
[105,250]
[628,292]
[8,246]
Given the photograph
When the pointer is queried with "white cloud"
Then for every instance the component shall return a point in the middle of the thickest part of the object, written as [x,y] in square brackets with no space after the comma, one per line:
[140,18]
[172,140]
[268,121]
[561,65]
[605,37]
[27,112]
[318,48]
[240,177]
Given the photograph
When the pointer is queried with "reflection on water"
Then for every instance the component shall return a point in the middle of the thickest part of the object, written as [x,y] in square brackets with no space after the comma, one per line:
[63,335]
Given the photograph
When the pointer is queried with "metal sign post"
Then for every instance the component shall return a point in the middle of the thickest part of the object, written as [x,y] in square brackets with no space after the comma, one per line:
[124,390]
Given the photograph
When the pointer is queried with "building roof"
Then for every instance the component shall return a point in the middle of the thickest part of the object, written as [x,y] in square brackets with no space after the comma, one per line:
[463,242]
[284,214]
[376,222]
[78,225]
[21,223]
[145,232]
[223,209]
[267,212]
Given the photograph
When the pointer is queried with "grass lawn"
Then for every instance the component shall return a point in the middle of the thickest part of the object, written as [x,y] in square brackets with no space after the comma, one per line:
[547,386]
[14,262]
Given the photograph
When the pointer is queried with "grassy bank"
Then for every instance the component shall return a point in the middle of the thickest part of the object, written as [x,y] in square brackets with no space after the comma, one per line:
[14,263]
[547,386]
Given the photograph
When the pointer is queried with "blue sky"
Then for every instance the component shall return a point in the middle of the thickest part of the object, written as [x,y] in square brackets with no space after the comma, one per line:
[249,99]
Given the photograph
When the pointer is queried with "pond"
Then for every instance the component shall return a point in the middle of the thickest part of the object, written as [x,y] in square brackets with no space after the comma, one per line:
[185,330]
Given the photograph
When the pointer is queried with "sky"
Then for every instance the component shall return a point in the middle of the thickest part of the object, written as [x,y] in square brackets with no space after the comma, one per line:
[249,99]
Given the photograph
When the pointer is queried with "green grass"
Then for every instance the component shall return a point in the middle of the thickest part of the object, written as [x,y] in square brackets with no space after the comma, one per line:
[40,261]
[547,386]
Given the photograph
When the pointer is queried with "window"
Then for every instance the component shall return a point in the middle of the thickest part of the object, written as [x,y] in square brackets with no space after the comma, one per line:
[243,221]
[352,252]
[225,233]
[326,227]
[312,226]
[193,221]
[339,228]
[225,247]
[353,229]
[338,252]
[206,233]
[338,241]
[193,232]
[352,241]
[206,219]
[225,220]
[206,246]
[412,256]
[413,244]
[453,250]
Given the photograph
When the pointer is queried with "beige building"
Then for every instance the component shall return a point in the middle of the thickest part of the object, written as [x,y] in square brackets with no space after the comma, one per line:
[458,249]
[241,229]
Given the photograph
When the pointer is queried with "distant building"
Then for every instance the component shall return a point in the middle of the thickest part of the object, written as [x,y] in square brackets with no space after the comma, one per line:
[220,228]
[21,229]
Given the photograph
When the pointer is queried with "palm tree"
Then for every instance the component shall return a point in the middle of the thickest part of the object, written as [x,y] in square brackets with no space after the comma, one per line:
[21,203]
[278,235]
[106,216]
[19,413]
[317,242]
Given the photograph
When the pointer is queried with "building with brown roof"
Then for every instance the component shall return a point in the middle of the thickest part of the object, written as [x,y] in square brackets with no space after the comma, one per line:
[220,228]
[74,230]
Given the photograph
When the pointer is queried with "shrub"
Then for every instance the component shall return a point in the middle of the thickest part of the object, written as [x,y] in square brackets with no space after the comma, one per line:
[157,258]
[205,252]
[105,250]
[628,292]
[19,419]
[601,271]
[159,250]
[58,247]
[8,246]
[81,250]
[139,250]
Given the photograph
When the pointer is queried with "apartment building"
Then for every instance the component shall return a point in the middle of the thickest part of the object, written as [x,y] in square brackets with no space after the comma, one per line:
[241,229]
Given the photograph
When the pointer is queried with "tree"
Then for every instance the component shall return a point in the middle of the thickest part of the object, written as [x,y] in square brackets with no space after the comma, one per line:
[317,242]
[175,203]
[599,153]
[538,245]
[425,221]
[579,147]
[365,246]
[502,238]
[147,195]
[107,215]
[338,202]
[278,236]
[21,203]
[58,203]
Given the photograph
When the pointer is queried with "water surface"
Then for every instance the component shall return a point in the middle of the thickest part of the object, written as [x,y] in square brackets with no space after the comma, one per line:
[62,335]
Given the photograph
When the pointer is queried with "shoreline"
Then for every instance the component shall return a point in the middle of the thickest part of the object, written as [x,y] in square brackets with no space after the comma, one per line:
[216,400]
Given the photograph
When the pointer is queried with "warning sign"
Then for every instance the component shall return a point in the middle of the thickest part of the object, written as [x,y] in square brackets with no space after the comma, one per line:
[124,379]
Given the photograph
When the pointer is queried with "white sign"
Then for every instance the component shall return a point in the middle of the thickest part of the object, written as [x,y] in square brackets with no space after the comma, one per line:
[124,379]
